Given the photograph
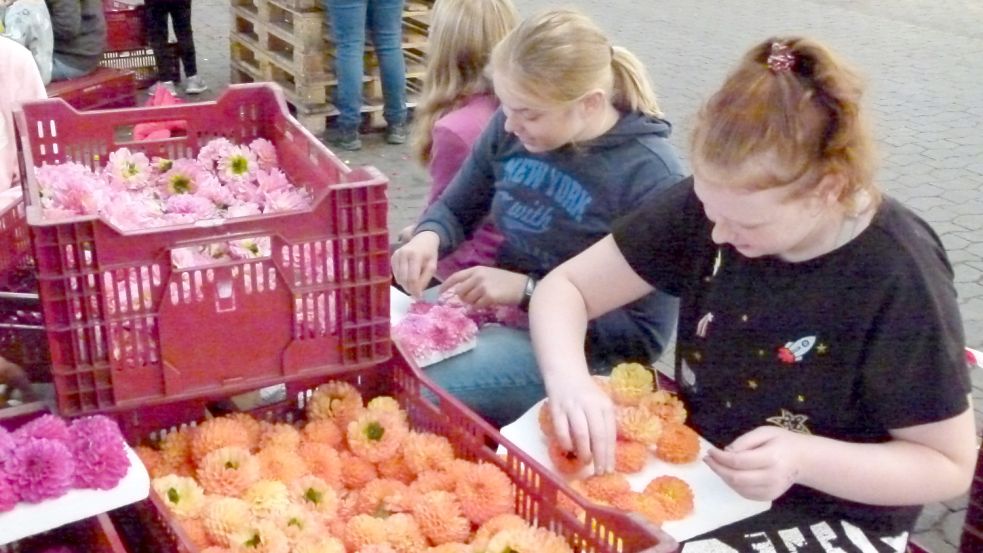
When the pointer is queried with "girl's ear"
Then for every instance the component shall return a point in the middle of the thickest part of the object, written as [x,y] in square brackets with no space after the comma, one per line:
[830,187]
[594,101]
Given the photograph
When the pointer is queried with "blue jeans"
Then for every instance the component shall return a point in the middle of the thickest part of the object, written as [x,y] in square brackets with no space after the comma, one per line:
[499,379]
[61,71]
[384,19]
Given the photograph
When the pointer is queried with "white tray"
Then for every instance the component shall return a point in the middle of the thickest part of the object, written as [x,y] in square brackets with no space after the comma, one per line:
[28,519]
[715,503]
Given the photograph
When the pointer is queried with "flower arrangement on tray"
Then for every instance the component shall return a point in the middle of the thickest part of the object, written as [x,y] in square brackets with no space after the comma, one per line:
[650,423]
[134,192]
[47,457]
[432,332]
[353,478]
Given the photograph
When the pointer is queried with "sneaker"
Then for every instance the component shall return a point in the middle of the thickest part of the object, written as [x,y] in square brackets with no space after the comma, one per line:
[396,134]
[195,85]
[169,85]
[346,140]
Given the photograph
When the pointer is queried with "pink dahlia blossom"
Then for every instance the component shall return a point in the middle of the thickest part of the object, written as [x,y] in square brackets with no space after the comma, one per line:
[286,199]
[215,150]
[272,181]
[6,444]
[187,208]
[237,165]
[127,170]
[100,456]
[46,426]
[182,178]
[135,212]
[70,189]
[40,469]
[8,497]
[249,248]
[211,188]
[265,153]
[243,209]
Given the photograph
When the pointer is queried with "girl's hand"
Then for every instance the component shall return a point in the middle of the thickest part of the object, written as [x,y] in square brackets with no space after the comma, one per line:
[762,464]
[415,263]
[484,286]
[406,234]
[584,419]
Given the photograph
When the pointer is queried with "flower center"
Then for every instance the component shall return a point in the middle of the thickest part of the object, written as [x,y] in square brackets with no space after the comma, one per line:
[231,465]
[239,165]
[181,184]
[130,169]
[313,496]
[374,431]
[254,542]
[173,496]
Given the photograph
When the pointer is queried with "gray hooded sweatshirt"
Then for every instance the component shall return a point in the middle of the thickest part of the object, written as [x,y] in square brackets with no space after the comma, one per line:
[80,32]
[550,206]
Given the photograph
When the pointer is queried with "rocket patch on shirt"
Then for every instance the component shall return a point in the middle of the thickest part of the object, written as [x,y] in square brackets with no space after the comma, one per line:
[792,352]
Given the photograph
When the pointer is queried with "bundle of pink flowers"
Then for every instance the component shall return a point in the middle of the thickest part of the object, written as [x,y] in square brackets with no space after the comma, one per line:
[432,332]
[134,192]
[46,457]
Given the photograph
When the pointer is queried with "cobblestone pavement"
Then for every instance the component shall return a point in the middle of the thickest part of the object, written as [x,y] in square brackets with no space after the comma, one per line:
[924,62]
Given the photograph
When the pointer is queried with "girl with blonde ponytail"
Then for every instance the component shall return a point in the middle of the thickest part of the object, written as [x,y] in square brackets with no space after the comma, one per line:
[579,140]
[456,104]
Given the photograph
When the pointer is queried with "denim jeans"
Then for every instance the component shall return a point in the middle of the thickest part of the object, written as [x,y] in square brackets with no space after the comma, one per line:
[384,20]
[499,379]
[61,71]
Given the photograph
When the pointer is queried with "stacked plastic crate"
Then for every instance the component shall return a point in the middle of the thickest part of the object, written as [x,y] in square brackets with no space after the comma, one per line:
[161,347]
[127,45]
[287,42]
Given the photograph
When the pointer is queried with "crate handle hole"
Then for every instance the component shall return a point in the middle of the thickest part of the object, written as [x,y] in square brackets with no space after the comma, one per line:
[151,131]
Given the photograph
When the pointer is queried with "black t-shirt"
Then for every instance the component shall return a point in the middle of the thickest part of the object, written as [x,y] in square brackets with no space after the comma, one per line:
[848,345]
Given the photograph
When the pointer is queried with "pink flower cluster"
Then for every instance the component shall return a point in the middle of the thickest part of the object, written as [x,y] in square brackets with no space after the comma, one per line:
[46,457]
[134,192]
[431,332]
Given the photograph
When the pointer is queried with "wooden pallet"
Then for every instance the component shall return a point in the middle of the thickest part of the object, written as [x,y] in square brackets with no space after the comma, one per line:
[316,117]
[308,66]
[302,26]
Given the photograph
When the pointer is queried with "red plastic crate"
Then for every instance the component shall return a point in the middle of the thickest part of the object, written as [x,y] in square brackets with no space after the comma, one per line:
[127,330]
[430,409]
[125,27]
[91,535]
[103,88]
[141,61]
[15,239]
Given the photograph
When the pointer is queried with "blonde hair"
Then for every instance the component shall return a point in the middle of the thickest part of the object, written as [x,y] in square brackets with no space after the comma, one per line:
[462,35]
[802,108]
[560,55]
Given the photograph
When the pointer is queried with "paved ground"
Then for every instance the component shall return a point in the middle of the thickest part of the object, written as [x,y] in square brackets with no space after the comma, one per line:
[924,61]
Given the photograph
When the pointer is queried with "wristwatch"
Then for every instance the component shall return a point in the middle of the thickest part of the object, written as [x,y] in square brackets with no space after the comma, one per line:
[527,293]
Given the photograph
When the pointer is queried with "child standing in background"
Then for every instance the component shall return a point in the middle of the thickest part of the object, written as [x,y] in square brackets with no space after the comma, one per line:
[179,12]
[28,23]
[457,103]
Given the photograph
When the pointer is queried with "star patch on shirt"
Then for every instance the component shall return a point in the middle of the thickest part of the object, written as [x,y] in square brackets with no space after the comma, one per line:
[790,421]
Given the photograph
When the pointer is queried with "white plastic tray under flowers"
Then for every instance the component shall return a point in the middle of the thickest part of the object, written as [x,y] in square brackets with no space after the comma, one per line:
[28,519]
[715,503]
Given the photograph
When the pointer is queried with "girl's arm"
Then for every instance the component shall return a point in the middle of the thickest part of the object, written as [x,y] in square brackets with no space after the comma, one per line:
[922,464]
[466,201]
[449,152]
[594,282]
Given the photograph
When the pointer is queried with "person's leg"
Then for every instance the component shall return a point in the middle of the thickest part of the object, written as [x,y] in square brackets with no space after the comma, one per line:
[181,20]
[385,22]
[347,21]
[61,71]
[156,20]
[499,379]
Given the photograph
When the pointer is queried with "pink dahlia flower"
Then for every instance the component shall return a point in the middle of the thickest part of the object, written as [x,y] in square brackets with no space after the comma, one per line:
[100,456]
[127,170]
[46,426]
[237,165]
[215,150]
[40,469]
[265,153]
[8,497]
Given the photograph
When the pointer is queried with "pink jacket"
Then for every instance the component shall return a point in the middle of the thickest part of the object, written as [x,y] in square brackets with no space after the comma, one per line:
[21,82]
[453,136]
